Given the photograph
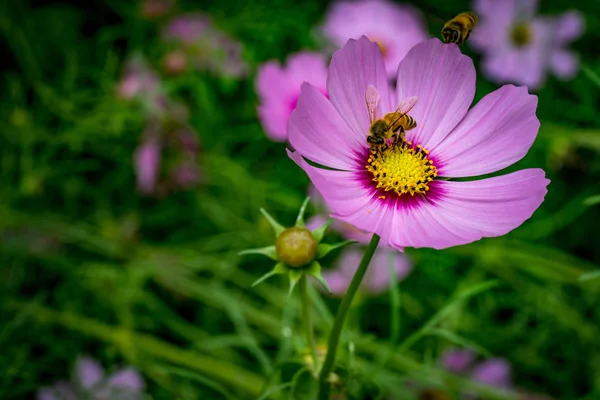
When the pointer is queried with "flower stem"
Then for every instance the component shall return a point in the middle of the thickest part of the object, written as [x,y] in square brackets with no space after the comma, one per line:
[307,325]
[338,324]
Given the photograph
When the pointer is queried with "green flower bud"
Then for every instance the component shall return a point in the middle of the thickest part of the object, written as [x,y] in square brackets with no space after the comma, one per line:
[296,250]
[296,247]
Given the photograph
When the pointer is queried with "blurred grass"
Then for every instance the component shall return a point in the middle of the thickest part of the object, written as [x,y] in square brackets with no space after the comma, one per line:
[89,266]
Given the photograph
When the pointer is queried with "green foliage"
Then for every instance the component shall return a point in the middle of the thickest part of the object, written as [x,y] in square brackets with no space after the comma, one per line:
[88,266]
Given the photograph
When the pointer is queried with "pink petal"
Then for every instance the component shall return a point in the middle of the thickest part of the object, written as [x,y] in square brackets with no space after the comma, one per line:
[569,27]
[316,221]
[351,232]
[127,378]
[59,391]
[352,69]
[271,80]
[342,190]
[279,87]
[525,8]
[494,372]
[454,213]
[317,131]
[457,360]
[147,163]
[522,67]
[274,91]
[496,133]
[348,231]
[489,207]
[337,282]
[46,394]
[496,18]
[308,67]
[443,79]
[564,63]
[377,278]
[274,118]
[371,215]
[395,27]
[378,275]
[88,372]
[424,226]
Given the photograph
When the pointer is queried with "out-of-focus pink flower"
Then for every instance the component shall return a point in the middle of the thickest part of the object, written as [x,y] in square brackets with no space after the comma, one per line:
[175,62]
[138,79]
[189,141]
[89,382]
[395,191]
[494,372]
[229,54]
[457,360]
[147,164]
[519,47]
[395,28]
[377,278]
[188,28]
[206,47]
[278,89]
[187,174]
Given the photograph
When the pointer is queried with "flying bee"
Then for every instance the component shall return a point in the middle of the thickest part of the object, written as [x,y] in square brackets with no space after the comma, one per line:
[458,29]
[392,123]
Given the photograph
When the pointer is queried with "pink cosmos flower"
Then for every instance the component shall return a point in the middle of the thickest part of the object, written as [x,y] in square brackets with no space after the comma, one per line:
[138,79]
[519,46]
[89,382]
[377,278]
[206,47]
[395,28]
[147,164]
[395,191]
[495,372]
[279,87]
[457,360]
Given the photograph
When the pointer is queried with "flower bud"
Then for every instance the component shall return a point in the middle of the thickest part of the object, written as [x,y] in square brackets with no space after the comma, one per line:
[296,247]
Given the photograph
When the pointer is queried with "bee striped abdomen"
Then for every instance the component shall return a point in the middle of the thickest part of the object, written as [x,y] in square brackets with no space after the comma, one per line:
[458,29]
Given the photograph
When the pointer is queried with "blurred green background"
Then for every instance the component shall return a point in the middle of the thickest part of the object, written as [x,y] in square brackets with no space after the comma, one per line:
[89,266]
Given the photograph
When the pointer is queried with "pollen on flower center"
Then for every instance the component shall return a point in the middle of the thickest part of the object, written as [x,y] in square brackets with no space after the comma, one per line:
[401,167]
[521,34]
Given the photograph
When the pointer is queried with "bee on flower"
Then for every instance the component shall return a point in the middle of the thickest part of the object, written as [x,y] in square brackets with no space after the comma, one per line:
[405,192]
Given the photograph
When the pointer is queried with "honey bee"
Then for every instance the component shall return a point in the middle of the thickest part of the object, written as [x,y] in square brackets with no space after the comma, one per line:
[458,29]
[392,123]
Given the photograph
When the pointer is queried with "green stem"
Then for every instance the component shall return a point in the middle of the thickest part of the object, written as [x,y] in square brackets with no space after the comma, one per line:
[307,325]
[336,331]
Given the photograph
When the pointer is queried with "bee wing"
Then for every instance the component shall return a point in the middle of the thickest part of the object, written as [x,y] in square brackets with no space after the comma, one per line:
[372,98]
[406,105]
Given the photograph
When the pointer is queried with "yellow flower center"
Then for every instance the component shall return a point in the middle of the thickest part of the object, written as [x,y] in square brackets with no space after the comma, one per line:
[521,34]
[401,167]
[382,47]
